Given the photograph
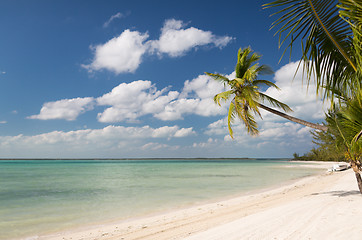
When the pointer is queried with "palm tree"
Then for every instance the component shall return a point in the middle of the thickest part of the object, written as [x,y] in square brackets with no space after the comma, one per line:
[246,95]
[331,34]
[349,123]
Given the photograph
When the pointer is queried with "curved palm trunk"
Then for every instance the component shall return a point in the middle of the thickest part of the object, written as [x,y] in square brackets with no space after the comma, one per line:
[293,119]
[356,168]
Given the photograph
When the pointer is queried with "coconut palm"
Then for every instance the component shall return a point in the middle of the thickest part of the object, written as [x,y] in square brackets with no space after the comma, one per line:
[331,34]
[246,96]
[349,125]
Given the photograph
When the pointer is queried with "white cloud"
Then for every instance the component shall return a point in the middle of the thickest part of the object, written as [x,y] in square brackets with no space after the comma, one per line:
[196,97]
[174,131]
[3,122]
[124,53]
[183,132]
[176,41]
[158,146]
[297,94]
[208,144]
[113,17]
[120,54]
[68,109]
[133,100]
[105,139]
[130,101]
[201,87]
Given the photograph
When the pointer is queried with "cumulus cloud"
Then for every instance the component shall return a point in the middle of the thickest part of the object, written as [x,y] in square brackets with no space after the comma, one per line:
[208,144]
[300,96]
[124,53]
[120,54]
[68,109]
[158,146]
[176,41]
[132,100]
[175,131]
[274,136]
[110,138]
[95,135]
[196,97]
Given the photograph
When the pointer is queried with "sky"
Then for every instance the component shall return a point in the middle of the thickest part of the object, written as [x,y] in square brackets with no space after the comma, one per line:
[126,79]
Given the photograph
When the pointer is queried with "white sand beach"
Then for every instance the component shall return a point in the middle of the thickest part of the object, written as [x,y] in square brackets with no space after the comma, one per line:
[327,206]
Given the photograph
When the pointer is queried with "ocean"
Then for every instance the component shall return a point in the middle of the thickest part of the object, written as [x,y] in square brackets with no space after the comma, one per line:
[40,197]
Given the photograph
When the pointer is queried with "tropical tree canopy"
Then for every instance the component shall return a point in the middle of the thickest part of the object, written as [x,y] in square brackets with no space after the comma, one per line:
[246,97]
[245,91]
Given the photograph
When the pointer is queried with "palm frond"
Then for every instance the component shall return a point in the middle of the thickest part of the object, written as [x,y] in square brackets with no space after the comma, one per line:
[243,113]
[351,12]
[245,60]
[275,103]
[231,118]
[219,77]
[223,96]
[264,70]
[326,40]
[260,83]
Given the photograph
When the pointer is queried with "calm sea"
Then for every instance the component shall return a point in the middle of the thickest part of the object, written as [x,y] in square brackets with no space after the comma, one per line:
[43,196]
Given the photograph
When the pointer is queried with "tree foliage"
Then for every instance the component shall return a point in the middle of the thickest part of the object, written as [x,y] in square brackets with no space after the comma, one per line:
[245,92]
[330,32]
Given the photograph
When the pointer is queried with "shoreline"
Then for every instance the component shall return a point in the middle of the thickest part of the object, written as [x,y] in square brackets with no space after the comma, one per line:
[198,220]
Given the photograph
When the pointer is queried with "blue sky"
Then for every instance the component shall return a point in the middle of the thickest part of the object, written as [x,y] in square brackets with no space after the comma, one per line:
[126,79]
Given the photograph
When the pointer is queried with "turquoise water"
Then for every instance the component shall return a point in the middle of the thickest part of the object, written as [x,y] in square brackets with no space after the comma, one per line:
[43,196]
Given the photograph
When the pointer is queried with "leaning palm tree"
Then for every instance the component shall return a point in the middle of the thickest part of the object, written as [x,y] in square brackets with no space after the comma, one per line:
[331,35]
[349,124]
[246,96]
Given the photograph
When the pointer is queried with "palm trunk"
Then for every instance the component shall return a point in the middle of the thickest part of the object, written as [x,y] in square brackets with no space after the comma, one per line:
[359,181]
[293,119]
[356,170]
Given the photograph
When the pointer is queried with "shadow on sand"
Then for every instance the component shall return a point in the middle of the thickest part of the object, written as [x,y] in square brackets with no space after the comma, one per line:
[339,193]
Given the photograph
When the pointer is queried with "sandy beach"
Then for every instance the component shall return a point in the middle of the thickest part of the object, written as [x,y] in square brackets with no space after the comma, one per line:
[326,206]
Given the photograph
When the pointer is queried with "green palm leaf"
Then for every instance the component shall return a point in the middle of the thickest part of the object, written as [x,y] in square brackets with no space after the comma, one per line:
[219,77]
[275,103]
[231,118]
[223,96]
[326,41]
[260,83]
